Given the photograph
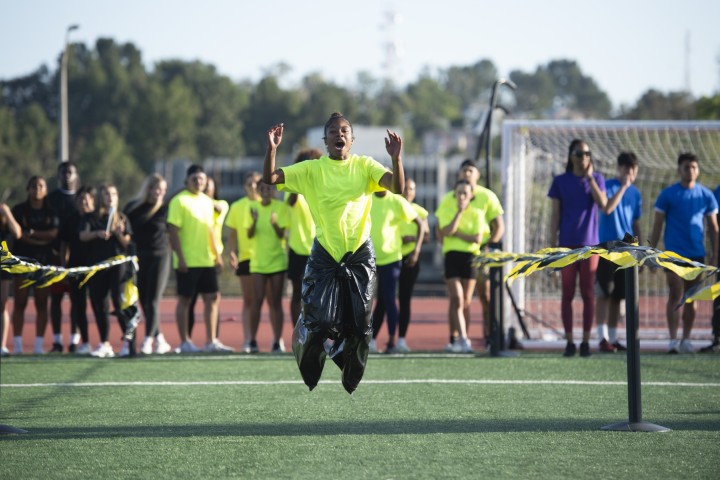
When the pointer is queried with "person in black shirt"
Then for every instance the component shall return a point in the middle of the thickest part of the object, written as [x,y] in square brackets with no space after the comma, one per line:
[39,224]
[107,233]
[148,217]
[62,199]
[9,230]
[77,255]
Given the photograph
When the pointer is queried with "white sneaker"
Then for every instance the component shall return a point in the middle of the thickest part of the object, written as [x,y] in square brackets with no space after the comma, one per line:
[217,347]
[83,349]
[103,350]
[38,347]
[245,348]
[372,348]
[188,347]
[674,345]
[161,345]
[4,352]
[278,347]
[401,346]
[465,345]
[449,348]
[125,350]
[147,346]
[686,346]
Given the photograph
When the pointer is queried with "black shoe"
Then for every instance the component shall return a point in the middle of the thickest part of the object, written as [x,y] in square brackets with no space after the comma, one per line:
[714,347]
[56,348]
[72,347]
[569,350]
[254,346]
[585,349]
[619,346]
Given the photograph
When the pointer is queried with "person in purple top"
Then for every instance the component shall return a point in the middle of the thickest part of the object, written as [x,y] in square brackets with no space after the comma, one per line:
[576,196]
[685,208]
[714,347]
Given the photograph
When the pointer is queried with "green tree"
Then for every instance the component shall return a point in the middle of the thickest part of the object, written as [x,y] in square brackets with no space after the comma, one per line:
[432,107]
[708,108]
[535,92]
[576,91]
[655,105]
[104,157]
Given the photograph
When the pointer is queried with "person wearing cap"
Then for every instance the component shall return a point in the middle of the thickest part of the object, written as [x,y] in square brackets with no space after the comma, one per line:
[191,222]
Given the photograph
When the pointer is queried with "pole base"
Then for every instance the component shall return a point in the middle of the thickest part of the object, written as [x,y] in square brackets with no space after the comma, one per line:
[8,430]
[635,427]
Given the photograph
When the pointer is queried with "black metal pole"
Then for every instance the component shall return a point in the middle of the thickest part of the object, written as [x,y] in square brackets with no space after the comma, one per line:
[632,325]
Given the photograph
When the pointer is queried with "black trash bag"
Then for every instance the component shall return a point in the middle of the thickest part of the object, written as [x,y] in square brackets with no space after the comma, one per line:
[336,304]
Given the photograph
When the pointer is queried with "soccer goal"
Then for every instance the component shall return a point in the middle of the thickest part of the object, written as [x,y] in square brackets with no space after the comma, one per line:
[535,151]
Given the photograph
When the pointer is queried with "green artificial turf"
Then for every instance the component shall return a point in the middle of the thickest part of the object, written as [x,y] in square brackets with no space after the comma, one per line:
[419,416]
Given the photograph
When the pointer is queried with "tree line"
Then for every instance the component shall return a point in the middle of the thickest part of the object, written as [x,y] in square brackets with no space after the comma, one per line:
[123,116]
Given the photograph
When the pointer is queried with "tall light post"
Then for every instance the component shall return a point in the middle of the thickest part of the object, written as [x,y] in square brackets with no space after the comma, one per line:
[64,149]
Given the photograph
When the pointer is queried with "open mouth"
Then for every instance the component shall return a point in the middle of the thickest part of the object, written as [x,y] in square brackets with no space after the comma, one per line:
[340,144]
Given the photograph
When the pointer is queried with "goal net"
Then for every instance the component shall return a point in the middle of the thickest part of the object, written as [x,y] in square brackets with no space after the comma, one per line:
[533,152]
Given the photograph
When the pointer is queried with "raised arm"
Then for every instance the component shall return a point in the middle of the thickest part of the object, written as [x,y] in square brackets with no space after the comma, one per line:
[395,181]
[271,175]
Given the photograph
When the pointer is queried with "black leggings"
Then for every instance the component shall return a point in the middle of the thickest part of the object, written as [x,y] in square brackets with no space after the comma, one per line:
[151,282]
[406,285]
[78,309]
[103,284]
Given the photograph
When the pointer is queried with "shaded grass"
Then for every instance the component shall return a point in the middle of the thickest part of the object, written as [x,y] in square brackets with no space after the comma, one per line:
[382,431]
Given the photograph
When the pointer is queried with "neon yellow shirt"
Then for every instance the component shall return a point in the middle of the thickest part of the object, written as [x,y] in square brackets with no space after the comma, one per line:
[239,211]
[471,223]
[387,214]
[338,193]
[193,215]
[301,231]
[268,250]
[219,217]
[411,229]
[483,199]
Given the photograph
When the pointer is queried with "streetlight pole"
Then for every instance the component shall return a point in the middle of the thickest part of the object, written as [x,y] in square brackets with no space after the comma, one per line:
[64,149]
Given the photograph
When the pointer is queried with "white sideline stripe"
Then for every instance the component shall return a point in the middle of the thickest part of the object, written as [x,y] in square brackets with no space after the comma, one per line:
[366,382]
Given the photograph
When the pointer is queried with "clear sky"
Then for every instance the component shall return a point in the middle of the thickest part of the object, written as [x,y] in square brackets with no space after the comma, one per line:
[627,46]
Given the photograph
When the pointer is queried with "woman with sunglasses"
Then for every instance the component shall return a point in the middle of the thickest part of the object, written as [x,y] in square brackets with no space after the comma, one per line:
[576,196]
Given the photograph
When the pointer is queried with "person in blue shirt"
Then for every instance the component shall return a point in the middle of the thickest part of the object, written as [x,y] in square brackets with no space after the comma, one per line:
[714,347]
[620,215]
[685,208]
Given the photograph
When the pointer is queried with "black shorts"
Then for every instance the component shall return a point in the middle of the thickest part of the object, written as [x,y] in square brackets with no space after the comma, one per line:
[296,265]
[196,280]
[243,269]
[460,265]
[4,275]
[610,281]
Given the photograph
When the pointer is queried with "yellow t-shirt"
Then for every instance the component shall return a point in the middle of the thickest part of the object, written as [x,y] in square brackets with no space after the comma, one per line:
[472,222]
[239,211]
[193,215]
[387,214]
[219,213]
[411,229]
[268,250]
[338,193]
[301,231]
[484,200]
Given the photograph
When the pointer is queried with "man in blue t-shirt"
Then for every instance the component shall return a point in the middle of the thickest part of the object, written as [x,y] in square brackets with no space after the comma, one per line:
[620,215]
[685,207]
[714,347]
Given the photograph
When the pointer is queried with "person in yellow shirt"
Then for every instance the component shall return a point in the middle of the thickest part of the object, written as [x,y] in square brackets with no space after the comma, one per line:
[301,233]
[340,274]
[462,228]
[191,223]
[413,237]
[220,211]
[494,228]
[268,262]
[241,250]
[387,214]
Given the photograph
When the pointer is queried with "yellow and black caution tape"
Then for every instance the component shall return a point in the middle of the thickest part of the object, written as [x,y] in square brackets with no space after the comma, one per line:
[43,276]
[623,254]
